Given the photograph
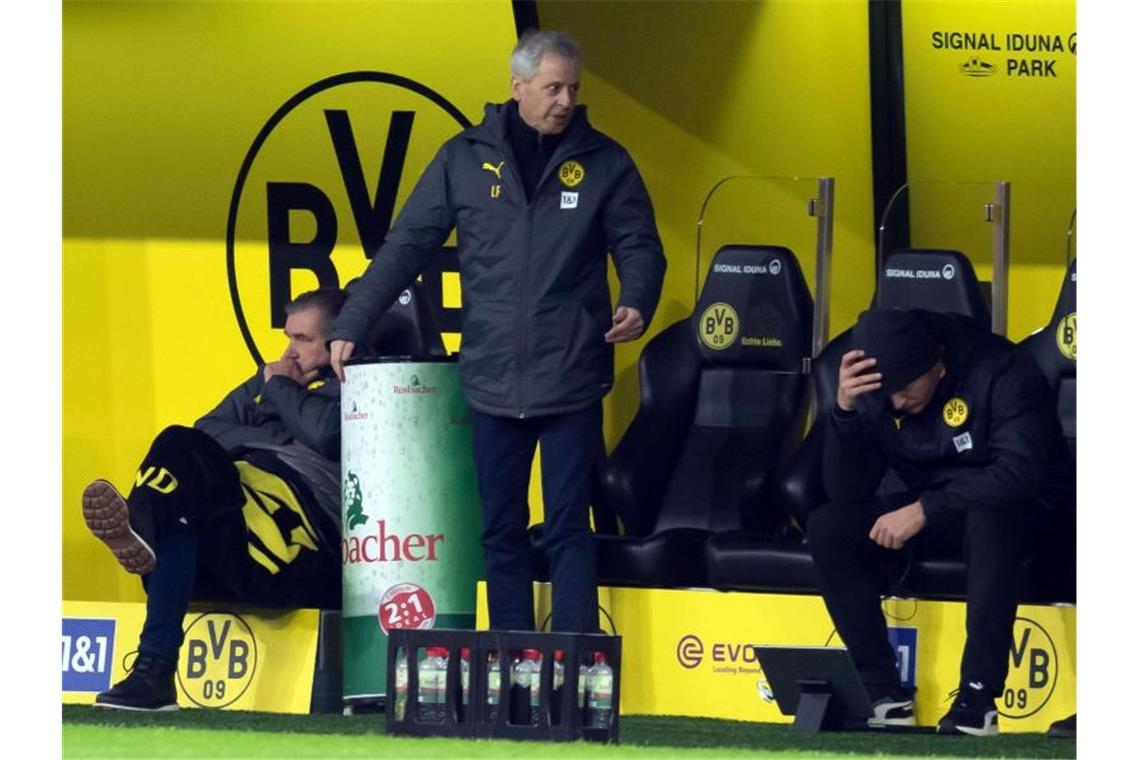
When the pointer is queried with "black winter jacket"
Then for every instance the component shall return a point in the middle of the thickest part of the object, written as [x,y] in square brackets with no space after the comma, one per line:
[536,302]
[298,424]
[989,437]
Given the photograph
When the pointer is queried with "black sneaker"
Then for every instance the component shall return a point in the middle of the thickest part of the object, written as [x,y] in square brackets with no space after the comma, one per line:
[894,707]
[148,687]
[973,712]
[1063,729]
[129,536]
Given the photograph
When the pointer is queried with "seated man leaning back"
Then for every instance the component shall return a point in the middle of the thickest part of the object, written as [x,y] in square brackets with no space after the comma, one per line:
[244,506]
[943,435]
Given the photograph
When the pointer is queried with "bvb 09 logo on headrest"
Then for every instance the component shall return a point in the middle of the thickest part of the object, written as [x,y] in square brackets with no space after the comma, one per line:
[1067,337]
[719,326]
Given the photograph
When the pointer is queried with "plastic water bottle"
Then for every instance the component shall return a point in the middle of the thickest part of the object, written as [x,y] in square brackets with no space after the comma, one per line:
[494,685]
[600,693]
[465,678]
[430,706]
[558,679]
[583,671]
[535,657]
[401,684]
[525,688]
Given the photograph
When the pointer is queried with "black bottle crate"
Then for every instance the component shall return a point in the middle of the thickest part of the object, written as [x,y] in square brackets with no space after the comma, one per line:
[474,720]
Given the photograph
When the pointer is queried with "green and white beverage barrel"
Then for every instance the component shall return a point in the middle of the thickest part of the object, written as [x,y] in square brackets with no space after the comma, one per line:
[409,510]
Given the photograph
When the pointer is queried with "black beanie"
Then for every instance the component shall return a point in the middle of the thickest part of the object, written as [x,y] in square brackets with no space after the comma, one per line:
[901,343]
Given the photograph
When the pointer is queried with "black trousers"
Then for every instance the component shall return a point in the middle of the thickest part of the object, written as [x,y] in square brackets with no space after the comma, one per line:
[192,494]
[854,572]
[572,446]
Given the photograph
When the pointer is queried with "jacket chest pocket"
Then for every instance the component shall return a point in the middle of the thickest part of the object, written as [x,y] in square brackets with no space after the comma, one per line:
[931,440]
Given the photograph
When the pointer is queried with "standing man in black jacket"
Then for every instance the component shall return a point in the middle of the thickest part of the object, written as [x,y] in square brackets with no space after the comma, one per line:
[942,434]
[244,506]
[538,196]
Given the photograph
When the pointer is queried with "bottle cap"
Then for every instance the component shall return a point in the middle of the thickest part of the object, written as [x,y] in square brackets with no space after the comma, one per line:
[599,658]
[465,653]
[559,655]
[532,654]
[437,652]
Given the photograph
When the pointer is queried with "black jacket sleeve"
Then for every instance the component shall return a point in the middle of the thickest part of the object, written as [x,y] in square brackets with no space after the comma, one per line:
[311,417]
[631,236]
[233,422]
[422,227]
[1022,423]
[853,462]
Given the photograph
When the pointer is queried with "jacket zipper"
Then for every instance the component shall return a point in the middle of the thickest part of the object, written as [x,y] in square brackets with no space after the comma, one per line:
[523,306]
[521,352]
[524,266]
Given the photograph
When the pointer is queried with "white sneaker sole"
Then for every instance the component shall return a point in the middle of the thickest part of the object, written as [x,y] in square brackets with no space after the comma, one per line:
[877,721]
[108,518]
[989,729]
[164,708]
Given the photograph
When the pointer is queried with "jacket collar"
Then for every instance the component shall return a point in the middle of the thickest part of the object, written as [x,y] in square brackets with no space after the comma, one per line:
[493,130]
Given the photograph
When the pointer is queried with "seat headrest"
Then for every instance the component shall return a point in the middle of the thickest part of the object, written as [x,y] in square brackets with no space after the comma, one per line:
[755,310]
[931,279]
[1067,299]
[1061,340]
[408,328]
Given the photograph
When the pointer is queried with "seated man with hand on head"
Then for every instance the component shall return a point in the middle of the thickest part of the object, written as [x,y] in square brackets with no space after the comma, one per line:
[943,434]
[244,506]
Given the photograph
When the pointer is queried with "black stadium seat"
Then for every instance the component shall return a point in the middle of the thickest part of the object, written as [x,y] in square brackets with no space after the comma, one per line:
[931,279]
[1054,347]
[937,280]
[410,327]
[723,403]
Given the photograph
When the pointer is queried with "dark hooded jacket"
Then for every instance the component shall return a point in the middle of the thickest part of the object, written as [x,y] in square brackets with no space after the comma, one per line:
[536,301]
[299,425]
[989,438]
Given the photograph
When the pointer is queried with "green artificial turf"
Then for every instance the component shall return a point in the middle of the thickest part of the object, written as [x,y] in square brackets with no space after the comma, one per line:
[88,732]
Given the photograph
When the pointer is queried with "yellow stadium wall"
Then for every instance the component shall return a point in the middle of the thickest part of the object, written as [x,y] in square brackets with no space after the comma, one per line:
[161,103]
[701,91]
[1017,124]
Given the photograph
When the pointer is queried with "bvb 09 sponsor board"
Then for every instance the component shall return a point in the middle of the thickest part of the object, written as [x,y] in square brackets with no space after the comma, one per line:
[1038,688]
[243,659]
[410,548]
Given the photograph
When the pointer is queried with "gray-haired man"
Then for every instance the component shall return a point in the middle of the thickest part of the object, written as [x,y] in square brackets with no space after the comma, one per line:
[538,197]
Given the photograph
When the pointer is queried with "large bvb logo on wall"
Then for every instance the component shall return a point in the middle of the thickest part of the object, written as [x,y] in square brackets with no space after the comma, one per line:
[318,190]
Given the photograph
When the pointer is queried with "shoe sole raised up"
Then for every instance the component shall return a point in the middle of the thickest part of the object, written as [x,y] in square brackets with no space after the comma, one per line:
[108,518]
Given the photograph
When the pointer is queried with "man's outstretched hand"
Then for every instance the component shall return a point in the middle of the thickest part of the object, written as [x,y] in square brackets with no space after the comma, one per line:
[628,325]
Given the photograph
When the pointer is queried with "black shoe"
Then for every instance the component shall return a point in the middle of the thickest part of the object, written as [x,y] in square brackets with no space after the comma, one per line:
[891,707]
[1063,729]
[973,712]
[148,687]
[129,535]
